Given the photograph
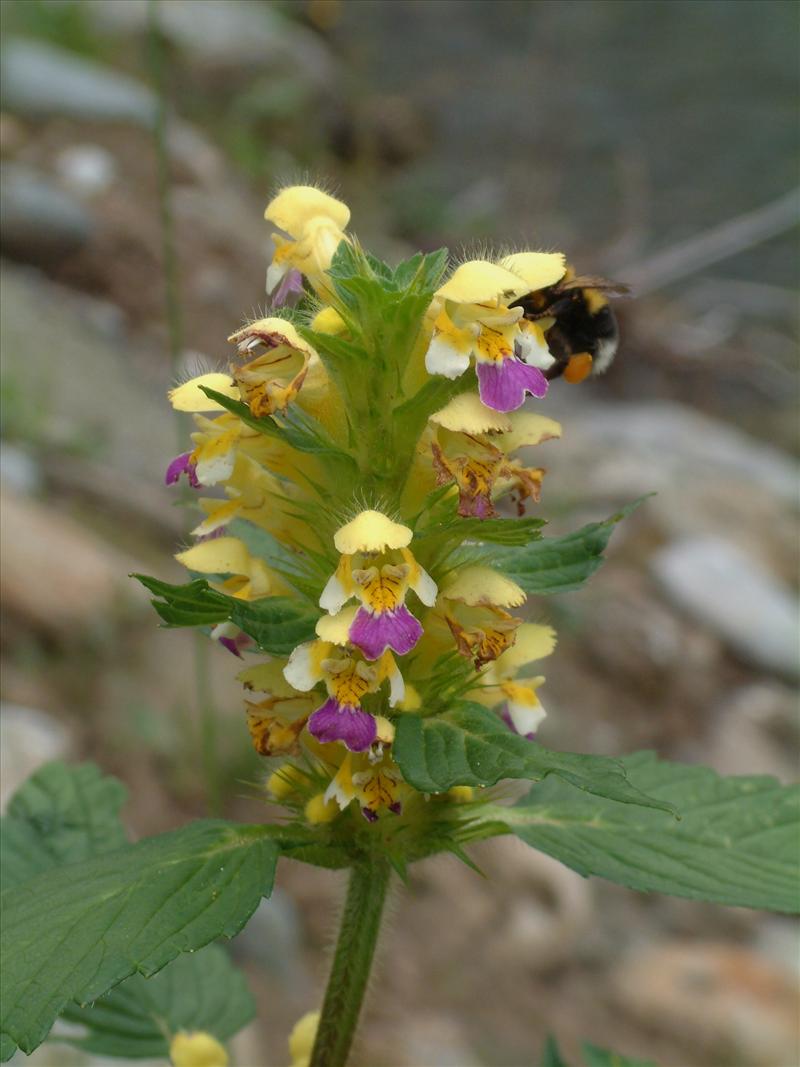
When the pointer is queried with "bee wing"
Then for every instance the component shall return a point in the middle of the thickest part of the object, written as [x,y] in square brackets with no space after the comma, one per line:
[589,281]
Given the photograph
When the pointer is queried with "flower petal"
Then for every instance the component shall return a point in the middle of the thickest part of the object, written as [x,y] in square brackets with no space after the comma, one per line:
[523,720]
[444,358]
[527,429]
[294,207]
[536,269]
[182,464]
[503,384]
[223,555]
[373,634]
[533,642]
[188,397]
[481,282]
[334,596]
[304,668]
[341,722]
[466,414]
[532,347]
[336,627]
[289,286]
[424,586]
[482,585]
[371,531]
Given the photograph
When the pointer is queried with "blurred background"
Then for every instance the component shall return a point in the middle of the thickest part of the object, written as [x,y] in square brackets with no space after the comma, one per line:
[655,142]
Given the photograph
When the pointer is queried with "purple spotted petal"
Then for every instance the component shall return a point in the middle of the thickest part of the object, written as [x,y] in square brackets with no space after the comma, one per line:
[182,464]
[289,289]
[505,716]
[369,814]
[342,722]
[221,531]
[503,384]
[373,634]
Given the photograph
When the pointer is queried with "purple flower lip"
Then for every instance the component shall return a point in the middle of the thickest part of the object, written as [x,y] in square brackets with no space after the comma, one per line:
[289,289]
[503,385]
[221,531]
[182,464]
[397,629]
[343,722]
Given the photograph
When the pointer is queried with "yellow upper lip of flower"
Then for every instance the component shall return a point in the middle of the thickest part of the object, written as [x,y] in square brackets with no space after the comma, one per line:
[537,269]
[273,333]
[480,282]
[466,414]
[481,585]
[295,207]
[371,531]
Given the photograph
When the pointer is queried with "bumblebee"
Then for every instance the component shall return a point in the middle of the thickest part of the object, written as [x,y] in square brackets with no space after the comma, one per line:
[578,322]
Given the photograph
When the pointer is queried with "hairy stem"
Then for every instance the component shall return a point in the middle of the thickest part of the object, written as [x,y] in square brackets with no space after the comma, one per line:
[355,949]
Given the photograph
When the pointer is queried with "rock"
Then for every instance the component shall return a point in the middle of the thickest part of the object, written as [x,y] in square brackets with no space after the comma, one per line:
[86,169]
[28,738]
[729,1002]
[755,732]
[732,593]
[434,1039]
[95,393]
[19,471]
[54,573]
[39,80]
[550,910]
[39,222]
[708,477]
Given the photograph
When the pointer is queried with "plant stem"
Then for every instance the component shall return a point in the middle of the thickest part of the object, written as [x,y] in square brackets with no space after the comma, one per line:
[355,948]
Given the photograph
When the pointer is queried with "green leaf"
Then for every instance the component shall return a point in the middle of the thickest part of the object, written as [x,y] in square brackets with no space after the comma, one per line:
[276,623]
[75,936]
[192,604]
[561,564]
[295,427]
[299,569]
[203,991]
[470,745]
[60,815]
[736,843]
[601,1057]
[445,537]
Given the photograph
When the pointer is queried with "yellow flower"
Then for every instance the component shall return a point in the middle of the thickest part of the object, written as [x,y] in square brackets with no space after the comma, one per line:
[281,361]
[328,320]
[286,781]
[371,531]
[472,445]
[301,1039]
[477,319]
[522,707]
[250,577]
[538,270]
[481,585]
[316,222]
[320,810]
[197,1049]
[190,397]
[378,568]
[481,282]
